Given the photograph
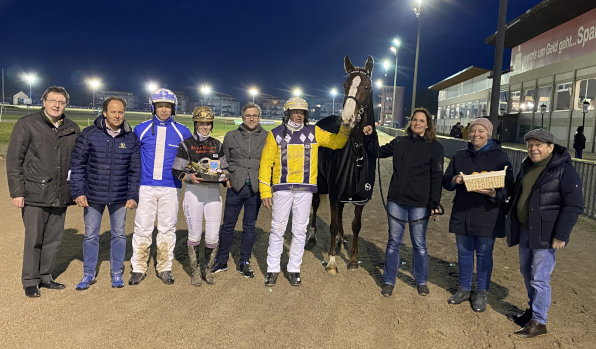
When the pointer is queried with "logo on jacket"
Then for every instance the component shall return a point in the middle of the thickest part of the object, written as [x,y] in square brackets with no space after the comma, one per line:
[367,187]
[123,145]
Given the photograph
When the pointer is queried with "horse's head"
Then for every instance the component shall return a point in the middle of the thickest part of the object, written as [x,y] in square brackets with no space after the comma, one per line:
[357,92]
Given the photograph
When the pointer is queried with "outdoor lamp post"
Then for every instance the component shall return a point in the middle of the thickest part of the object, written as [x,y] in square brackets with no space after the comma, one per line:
[253,92]
[585,108]
[417,12]
[379,84]
[30,78]
[94,84]
[395,51]
[333,93]
[542,111]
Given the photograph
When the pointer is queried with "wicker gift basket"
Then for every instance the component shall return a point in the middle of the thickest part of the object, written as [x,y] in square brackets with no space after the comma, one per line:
[486,180]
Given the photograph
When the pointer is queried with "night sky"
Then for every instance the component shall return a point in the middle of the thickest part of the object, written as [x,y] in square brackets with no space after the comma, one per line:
[233,45]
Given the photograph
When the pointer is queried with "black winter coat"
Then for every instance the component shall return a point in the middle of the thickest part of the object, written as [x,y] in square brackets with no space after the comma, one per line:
[417,171]
[475,214]
[555,202]
[579,141]
[38,160]
[104,168]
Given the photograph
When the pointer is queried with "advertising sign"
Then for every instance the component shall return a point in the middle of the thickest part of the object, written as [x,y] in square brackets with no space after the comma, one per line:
[571,39]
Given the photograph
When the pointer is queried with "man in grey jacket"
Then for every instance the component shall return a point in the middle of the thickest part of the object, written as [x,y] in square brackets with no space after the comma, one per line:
[243,148]
[38,168]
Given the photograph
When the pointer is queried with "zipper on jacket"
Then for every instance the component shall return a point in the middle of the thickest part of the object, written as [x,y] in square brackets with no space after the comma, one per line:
[111,173]
[401,192]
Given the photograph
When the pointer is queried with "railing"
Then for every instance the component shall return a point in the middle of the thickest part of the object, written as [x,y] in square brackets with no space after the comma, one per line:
[585,169]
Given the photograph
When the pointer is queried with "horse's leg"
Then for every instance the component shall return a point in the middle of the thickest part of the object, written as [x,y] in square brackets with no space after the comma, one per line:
[312,239]
[332,265]
[340,225]
[356,225]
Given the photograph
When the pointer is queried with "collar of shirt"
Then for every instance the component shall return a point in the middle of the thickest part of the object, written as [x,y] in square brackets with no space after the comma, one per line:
[112,132]
[57,123]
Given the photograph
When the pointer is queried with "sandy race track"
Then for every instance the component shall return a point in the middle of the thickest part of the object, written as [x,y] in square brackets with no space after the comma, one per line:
[341,311]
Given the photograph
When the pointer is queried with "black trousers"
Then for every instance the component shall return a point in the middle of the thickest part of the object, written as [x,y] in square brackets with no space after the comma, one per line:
[44,229]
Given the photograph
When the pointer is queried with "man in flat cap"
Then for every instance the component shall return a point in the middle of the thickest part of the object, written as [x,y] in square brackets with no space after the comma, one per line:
[545,204]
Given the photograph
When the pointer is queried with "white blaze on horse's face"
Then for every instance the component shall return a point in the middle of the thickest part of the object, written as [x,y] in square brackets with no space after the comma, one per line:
[348,114]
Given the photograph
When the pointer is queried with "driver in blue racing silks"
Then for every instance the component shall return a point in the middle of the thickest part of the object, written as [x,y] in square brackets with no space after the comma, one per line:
[160,190]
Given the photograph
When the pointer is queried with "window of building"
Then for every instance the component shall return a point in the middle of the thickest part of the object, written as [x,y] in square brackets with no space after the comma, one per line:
[515,97]
[544,97]
[586,91]
[563,96]
[474,110]
[483,107]
[528,101]
[503,101]
[468,112]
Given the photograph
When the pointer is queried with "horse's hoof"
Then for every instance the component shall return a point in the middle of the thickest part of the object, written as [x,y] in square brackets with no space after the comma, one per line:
[332,270]
[353,265]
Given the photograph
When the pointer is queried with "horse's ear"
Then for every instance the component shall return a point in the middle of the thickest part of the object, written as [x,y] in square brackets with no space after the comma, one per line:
[370,63]
[348,66]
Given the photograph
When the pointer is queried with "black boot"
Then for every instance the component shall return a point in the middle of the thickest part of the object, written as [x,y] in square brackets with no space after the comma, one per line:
[479,301]
[531,330]
[459,297]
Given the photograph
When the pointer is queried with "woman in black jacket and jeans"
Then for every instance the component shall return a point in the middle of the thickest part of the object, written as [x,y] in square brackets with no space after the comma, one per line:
[477,217]
[414,193]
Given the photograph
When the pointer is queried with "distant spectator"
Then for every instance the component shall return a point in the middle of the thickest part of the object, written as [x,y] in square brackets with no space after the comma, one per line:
[456,131]
[37,167]
[466,132]
[579,142]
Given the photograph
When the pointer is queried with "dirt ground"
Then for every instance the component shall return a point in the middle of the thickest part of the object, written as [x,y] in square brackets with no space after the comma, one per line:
[341,311]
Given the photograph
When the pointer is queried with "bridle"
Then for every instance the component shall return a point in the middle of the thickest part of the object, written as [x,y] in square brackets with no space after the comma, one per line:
[362,107]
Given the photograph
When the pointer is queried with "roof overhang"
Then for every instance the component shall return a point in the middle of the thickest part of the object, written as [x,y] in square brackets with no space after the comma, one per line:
[541,18]
[459,77]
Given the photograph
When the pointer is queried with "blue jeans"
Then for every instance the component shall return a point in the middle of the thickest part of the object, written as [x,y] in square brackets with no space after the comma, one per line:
[466,245]
[93,215]
[235,200]
[578,153]
[396,236]
[536,266]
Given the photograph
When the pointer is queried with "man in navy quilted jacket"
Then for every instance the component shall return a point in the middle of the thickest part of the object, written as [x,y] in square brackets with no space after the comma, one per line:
[106,171]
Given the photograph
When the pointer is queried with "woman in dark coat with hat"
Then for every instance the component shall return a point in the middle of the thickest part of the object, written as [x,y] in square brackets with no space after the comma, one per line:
[477,217]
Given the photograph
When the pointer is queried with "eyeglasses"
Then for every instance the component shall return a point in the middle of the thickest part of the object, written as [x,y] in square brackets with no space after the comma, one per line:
[53,101]
[254,116]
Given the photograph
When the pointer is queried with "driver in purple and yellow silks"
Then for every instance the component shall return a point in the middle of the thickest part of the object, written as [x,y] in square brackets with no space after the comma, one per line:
[288,179]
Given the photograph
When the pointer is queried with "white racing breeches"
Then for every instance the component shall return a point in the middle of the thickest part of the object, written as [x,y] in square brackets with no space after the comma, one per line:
[202,200]
[163,202]
[299,203]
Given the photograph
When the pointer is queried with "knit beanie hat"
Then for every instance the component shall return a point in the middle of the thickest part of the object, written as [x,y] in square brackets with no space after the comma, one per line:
[484,122]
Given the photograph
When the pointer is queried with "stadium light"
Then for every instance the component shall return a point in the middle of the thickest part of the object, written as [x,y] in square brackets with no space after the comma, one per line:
[253,91]
[30,78]
[297,92]
[94,84]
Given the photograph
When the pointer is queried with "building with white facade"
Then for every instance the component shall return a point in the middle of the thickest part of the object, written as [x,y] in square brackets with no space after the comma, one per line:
[553,64]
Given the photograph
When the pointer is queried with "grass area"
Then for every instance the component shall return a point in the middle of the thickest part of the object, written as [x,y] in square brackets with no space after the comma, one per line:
[220,127]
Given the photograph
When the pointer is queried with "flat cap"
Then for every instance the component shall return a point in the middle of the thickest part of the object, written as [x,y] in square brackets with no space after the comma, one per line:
[541,135]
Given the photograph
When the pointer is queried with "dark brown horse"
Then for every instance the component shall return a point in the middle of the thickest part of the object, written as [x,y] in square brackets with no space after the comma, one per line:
[347,175]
